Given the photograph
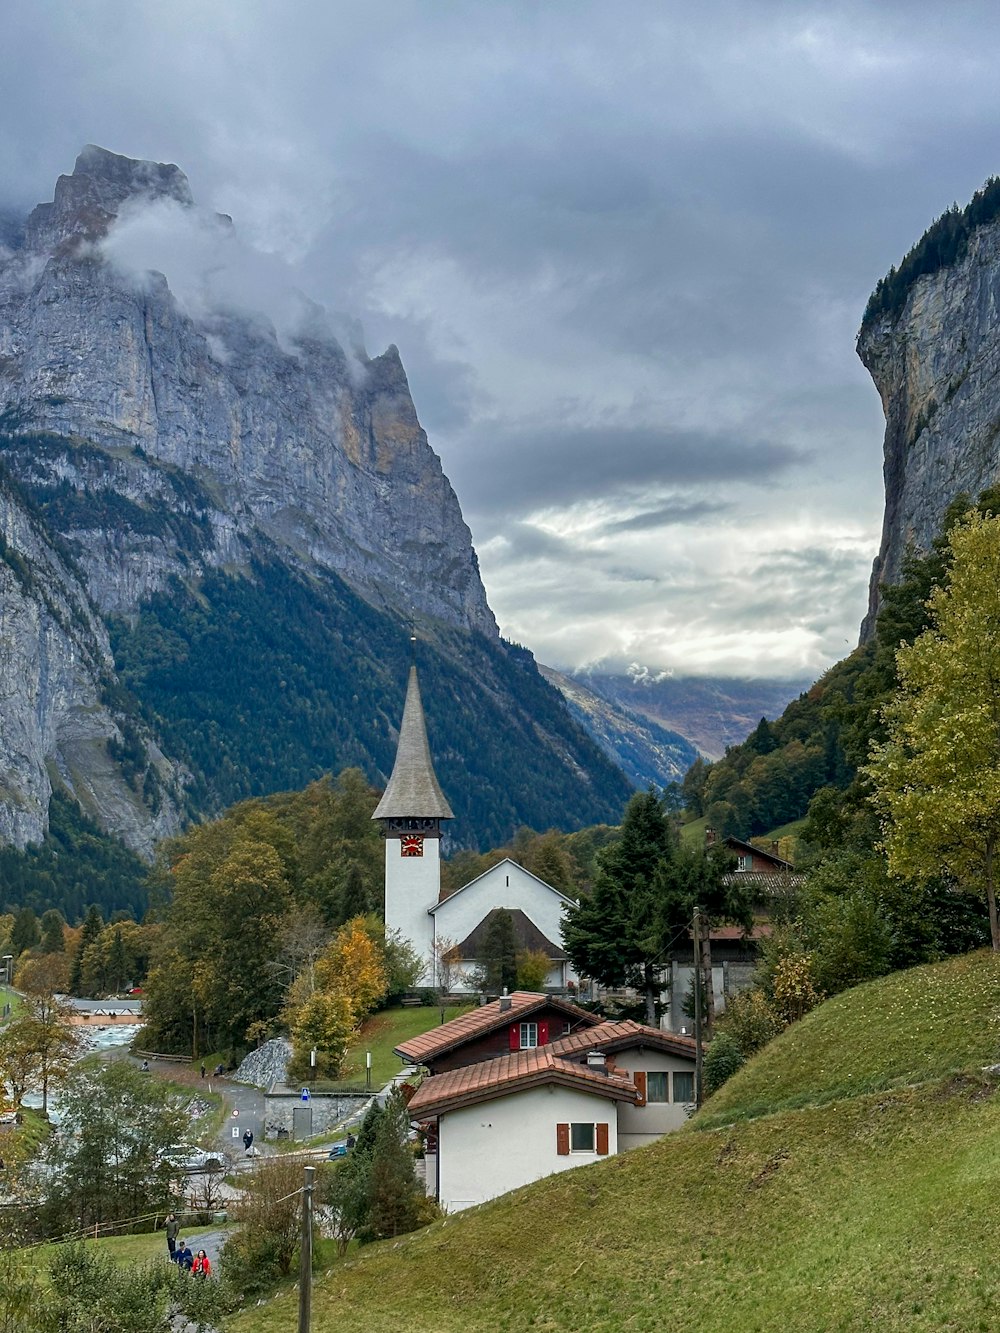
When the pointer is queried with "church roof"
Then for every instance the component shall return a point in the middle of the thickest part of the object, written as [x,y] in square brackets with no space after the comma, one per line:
[526,936]
[413,791]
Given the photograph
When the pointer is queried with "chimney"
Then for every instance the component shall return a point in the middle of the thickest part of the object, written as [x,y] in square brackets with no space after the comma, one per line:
[505,1001]
[776,848]
[597,1061]
[709,837]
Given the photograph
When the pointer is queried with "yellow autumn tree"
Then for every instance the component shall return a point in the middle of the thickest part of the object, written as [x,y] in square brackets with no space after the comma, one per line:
[323,1024]
[353,965]
[936,778]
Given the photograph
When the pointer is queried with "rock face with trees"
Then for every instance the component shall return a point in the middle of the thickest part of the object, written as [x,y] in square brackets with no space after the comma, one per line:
[176,476]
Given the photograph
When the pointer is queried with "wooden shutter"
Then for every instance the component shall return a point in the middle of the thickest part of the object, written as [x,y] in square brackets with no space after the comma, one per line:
[639,1079]
[515,1037]
[562,1140]
[602,1140]
[543,1032]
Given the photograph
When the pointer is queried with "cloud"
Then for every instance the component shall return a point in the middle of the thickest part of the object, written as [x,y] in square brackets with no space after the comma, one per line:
[624,253]
[667,515]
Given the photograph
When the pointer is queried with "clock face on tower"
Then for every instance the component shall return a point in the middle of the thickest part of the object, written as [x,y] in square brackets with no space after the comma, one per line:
[411,845]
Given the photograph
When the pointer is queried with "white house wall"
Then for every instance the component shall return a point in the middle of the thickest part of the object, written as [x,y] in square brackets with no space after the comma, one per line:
[638,1125]
[496,1146]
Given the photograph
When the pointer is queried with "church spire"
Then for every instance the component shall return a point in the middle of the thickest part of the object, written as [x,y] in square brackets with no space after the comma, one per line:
[413,791]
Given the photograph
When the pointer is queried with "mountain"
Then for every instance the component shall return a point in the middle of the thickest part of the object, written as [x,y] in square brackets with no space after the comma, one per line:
[218,529]
[931,342]
[647,752]
[709,712]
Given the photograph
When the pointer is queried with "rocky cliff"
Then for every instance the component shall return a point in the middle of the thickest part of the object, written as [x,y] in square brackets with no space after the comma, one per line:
[935,361]
[151,442]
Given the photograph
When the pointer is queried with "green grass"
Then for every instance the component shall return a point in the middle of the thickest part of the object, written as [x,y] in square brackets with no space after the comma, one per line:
[380,1033]
[130,1249]
[915,1025]
[877,1210]
[693,833]
[877,1213]
[11,997]
[19,1143]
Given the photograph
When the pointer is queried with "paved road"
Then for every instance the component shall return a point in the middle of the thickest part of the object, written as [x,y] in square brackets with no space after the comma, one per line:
[248,1106]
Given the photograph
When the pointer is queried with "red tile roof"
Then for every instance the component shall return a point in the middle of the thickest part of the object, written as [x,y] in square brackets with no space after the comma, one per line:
[487,1079]
[620,1036]
[487,1018]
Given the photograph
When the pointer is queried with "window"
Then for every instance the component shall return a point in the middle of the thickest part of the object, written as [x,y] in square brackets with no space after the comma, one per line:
[657,1086]
[581,1138]
[683,1087]
[744,863]
[529,1035]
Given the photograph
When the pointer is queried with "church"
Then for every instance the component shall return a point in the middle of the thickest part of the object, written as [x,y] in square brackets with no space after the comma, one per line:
[410,813]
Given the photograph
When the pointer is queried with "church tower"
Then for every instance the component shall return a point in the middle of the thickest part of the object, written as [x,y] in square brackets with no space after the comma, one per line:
[410,813]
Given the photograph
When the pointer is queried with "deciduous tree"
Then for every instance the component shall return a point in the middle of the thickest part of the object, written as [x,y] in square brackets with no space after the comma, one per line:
[936,777]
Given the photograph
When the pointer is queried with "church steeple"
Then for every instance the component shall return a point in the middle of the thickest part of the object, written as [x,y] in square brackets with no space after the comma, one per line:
[410,812]
[413,792]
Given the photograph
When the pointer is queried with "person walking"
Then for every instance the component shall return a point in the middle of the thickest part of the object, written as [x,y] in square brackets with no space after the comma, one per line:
[202,1266]
[247,1140]
[173,1226]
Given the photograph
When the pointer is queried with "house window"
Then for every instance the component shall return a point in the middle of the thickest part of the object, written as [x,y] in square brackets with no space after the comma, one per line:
[683,1087]
[529,1035]
[581,1138]
[657,1086]
[744,863]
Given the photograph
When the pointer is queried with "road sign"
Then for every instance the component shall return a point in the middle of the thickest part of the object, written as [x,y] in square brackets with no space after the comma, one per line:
[235,1113]
[305,1094]
[236,1131]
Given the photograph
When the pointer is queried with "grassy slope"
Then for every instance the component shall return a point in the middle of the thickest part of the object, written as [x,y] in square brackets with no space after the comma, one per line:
[920,1024]
[380,1033]
[875,1211]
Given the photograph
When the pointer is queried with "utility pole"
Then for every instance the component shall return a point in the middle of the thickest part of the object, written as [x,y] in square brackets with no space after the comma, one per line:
[696,932]
[305,1251]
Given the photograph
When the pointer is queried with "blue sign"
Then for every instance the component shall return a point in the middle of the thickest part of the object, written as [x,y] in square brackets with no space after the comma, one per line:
[305,1094]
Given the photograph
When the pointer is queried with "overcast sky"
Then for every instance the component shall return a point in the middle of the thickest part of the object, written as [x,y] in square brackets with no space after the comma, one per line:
[624,250]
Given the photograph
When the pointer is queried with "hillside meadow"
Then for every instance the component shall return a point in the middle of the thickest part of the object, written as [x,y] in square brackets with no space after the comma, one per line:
[874,1206]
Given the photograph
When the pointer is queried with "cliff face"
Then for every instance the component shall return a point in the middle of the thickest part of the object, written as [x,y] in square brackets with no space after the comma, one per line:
[142,444]
[317,449]
[935,367]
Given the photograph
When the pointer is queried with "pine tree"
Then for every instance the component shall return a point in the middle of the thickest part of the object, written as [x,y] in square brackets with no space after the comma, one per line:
[53,940]
[499,954]
[394,1192]
[93,924]
[24,934]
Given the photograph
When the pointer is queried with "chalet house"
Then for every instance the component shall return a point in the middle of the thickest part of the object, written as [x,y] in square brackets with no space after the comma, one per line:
[518,1022]
[595,1089]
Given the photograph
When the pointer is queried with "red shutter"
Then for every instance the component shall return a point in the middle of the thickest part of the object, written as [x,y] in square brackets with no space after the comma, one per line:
[543,1032]
[602,1140]
[639,1079]
[515,1037]
[562,1140]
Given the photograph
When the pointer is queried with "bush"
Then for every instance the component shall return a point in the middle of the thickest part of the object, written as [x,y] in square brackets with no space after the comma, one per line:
[722,1060]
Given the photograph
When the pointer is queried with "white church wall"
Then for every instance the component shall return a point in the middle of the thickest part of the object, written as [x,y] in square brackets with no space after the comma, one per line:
[504,885]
